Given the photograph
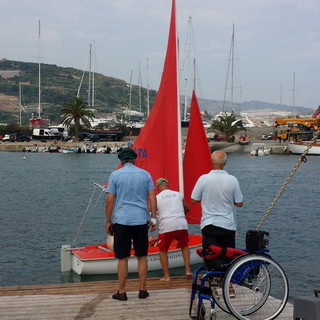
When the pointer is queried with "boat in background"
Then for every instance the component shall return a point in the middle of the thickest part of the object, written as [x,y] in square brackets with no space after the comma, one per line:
[259,149]
[149,146]
[301,146]
[244,140]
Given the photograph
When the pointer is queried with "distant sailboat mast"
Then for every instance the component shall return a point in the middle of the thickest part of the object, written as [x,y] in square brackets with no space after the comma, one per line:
[186,66]
[89,85]
[140,86]
[230,64]
[91,90]
[293,94]
[148,93]
[39,75]
[93,67]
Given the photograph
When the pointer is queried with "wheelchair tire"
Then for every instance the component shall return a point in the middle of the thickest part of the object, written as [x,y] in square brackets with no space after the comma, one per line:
[260,286]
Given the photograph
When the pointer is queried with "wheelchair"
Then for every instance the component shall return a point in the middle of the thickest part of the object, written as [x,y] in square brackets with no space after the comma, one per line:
[247,284]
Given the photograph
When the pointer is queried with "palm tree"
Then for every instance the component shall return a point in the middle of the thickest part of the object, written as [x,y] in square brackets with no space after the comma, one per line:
[227,125]
[76,110]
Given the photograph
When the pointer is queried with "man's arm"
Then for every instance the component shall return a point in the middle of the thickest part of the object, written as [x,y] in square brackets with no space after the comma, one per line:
[194,201]
[186,207]
[153,207]
[109,207]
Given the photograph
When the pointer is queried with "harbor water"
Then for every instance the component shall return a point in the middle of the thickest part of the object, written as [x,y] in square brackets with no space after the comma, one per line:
[45,198]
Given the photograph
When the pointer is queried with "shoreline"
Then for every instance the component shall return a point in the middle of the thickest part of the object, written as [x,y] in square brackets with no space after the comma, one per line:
[254,134]
[228,147]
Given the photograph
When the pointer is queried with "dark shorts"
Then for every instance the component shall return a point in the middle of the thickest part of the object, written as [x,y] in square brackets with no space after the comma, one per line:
[218,236]
[165,239]
[126,236]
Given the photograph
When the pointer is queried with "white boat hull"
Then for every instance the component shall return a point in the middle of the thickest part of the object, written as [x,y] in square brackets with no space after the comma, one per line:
[71,261]
[300,147]
[109,266]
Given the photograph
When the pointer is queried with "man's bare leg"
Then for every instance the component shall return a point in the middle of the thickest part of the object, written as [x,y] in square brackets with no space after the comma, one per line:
[143,270]
[165,265]
[186,259]
[122,274]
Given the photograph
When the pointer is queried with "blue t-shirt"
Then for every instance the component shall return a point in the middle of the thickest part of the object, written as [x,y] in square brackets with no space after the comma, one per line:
[218,191]
[130,185]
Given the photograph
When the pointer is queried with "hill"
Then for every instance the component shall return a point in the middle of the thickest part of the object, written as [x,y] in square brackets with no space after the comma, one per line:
[58,85]
[111,95]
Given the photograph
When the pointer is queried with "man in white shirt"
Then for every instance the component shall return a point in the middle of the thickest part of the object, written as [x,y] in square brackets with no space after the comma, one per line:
[173,225]
[219,192]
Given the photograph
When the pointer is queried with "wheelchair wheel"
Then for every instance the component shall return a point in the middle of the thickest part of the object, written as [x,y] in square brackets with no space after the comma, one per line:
[255,287]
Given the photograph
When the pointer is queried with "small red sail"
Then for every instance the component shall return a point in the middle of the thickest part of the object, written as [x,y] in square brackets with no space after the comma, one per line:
[159,143]
[196,161]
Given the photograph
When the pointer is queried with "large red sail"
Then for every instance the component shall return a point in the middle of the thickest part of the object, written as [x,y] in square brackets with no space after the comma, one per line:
[196,161]
[159,143]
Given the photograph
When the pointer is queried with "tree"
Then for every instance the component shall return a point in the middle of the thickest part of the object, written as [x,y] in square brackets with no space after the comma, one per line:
[227,125]
[76,111]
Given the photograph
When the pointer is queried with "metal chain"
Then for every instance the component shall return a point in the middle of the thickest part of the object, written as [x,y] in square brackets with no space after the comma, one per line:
[285,184]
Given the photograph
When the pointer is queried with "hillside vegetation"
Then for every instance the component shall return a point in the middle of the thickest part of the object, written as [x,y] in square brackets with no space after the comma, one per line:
[59,85]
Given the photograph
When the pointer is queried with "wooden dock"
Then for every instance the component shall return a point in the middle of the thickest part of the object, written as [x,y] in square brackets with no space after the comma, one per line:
[93,300]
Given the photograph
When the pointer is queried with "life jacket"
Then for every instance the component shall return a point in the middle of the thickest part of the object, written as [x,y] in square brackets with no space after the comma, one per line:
[214,252]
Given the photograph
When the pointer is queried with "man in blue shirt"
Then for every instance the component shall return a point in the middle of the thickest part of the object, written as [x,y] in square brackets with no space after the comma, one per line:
[129,189]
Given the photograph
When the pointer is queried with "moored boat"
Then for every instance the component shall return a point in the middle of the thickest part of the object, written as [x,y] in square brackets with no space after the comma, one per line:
[244,140]
[301,146]
[100,259]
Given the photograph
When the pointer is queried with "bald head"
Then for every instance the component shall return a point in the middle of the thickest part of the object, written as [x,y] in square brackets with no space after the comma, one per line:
[218,159]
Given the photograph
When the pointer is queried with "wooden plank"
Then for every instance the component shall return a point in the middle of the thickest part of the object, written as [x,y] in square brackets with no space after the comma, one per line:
[93,300]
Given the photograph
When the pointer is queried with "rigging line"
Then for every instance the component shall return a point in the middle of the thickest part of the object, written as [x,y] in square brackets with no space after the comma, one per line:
[87,209]
[285,184]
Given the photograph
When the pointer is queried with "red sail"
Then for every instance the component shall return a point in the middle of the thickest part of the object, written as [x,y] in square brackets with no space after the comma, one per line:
[159,143]
[196,160]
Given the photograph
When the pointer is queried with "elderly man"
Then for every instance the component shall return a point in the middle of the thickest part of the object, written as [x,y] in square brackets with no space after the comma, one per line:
[218,192]
[129,190]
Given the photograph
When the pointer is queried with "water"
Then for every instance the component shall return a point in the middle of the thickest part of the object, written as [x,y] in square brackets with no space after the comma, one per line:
[45,196]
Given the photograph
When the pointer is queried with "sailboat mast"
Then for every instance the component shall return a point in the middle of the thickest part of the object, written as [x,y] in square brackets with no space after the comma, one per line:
[93,65]
[148,93]
[294,93]
[186,66]
[140,85]
[20,101]
[130,95]
[89,85]
[232,65]
[39,75]
[180,166]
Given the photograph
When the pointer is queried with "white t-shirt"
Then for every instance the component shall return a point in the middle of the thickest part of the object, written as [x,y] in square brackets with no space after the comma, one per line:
[171,213]
[218,191]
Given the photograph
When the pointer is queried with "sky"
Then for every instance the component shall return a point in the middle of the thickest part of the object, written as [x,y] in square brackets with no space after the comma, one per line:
[276,43]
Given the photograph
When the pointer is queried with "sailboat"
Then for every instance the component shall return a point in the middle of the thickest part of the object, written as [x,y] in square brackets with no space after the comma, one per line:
[159,150]
[39,122]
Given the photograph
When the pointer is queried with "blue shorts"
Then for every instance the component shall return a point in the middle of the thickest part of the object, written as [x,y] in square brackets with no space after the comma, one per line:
[126,236]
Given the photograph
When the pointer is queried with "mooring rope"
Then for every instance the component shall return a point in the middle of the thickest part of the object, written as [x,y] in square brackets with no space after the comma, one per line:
[87,209]
[285,184]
